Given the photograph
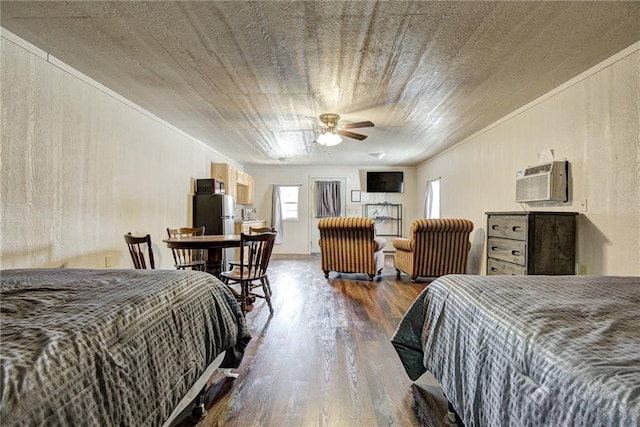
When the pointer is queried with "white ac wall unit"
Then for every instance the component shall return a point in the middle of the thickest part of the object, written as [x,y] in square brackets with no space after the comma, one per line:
[546,182]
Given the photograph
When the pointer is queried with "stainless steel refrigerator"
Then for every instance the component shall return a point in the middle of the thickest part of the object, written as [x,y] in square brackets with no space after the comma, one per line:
[215,213]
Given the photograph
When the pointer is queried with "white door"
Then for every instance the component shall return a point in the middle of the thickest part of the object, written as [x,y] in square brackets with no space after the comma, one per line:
[313,223]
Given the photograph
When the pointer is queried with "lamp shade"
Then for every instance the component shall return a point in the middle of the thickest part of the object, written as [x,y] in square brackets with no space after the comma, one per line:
[329,138]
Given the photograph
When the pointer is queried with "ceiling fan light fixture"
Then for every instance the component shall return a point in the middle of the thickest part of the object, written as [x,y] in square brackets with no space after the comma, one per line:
[329,139]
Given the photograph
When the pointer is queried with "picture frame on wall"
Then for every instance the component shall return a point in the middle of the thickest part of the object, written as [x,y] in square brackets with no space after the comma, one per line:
[356,196]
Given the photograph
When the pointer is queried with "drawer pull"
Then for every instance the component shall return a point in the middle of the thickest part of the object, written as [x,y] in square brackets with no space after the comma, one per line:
[516,228]
[515,253]
[495,227]
[494,269]
[494,248]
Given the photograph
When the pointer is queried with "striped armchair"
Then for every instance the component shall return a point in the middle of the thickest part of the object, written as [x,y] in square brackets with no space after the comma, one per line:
[435,247]
[350,245]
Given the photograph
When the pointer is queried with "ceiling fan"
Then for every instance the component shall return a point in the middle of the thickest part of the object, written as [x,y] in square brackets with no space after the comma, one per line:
[332,129]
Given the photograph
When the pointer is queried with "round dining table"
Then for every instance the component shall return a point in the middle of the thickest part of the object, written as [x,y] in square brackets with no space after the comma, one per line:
[214,244]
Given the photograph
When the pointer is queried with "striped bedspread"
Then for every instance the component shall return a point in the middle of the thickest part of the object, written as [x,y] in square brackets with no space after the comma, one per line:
[109,347]
[529,350]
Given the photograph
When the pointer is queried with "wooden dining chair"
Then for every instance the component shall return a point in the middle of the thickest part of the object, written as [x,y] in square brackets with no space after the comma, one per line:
[194,259]
[259,230]
[137,249]
[252,230]
[251,272]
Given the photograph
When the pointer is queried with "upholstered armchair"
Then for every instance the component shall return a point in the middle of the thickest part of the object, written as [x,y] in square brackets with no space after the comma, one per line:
[350,245]
[435,247]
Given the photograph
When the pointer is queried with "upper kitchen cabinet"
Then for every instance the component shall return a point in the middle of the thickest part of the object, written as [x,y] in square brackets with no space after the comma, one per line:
[245,189]
[227,174]
[243,178]
[238,184]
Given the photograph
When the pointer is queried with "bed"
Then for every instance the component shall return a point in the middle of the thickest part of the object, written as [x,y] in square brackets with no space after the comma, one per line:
[110,347]
[529,350]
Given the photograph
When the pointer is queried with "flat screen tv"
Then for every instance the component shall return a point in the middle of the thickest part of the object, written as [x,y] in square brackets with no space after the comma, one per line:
[385,182]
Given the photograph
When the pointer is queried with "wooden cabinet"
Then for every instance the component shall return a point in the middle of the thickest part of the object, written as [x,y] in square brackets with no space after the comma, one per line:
[243,178]
[525,243]
[243,227]
[237,183]
[245,190]
[227,174]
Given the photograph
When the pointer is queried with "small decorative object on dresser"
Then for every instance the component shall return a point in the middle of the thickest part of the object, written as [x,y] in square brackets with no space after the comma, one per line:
[525,243]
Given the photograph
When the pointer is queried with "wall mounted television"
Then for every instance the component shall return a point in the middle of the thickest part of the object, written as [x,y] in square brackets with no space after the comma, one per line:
[385,182]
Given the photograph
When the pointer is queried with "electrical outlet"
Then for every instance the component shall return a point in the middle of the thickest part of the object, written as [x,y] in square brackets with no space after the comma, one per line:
[582,205]
[107,261]
[583,270]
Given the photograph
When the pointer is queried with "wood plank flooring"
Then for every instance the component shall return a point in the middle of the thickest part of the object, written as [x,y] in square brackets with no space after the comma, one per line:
[324,358]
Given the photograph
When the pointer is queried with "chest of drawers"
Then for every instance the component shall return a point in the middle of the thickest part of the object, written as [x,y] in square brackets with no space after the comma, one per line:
[525,243]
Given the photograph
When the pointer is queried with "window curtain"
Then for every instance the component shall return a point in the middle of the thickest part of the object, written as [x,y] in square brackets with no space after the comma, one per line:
[276,215]
[327,199]
[429,202]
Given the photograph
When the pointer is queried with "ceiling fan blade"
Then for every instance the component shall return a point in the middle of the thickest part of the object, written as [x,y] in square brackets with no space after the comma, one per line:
[366,124]
[353,135]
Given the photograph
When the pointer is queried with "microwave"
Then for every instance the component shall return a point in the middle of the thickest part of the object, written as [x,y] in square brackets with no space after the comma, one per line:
[209,186]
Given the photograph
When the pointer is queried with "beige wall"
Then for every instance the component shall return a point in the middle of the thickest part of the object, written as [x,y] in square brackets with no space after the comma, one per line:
[81,166]
[592,121]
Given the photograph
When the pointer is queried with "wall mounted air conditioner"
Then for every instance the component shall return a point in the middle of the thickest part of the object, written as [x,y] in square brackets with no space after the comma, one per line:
[546,182]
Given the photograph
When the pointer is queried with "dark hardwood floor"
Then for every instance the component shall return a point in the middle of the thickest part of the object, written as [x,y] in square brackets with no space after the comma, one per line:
[324,358]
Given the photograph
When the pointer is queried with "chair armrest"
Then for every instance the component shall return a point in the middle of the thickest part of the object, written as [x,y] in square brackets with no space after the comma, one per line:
[403,244]
[380,242]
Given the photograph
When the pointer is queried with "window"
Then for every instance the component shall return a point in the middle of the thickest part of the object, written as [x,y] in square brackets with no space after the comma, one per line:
[432,199]
[289,202]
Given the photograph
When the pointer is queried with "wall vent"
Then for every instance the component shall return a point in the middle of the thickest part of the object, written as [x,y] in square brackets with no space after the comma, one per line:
[546,182]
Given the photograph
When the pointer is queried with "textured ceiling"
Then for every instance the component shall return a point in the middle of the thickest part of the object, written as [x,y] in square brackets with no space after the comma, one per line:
[244,77]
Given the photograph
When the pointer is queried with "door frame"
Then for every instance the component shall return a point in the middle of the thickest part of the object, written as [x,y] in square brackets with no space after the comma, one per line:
[314,235]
